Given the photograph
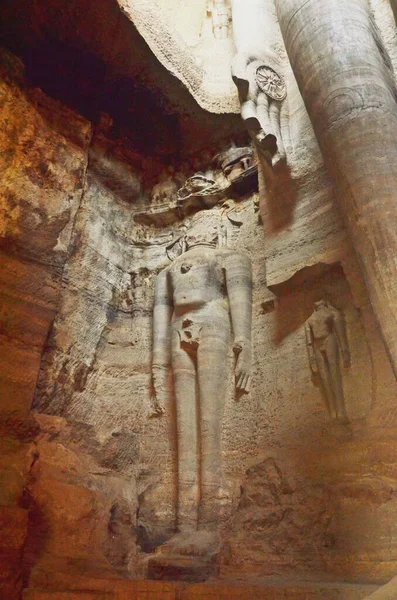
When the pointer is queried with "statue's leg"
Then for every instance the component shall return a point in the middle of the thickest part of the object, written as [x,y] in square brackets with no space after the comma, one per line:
[213,375]
[336,376]
[216,26]
[263,108]
[266,138]
[274,116]
[184,372]
[225,26]
[250,116]
[323,370]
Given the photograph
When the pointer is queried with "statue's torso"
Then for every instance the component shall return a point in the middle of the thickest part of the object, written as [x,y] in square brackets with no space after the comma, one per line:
[221,8]
[197,280]
[321,324]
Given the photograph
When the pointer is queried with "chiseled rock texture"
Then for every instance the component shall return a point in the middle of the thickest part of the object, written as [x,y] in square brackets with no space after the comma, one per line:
[181,38]
[87,488]
[156,590]
[107,65]
[43,160]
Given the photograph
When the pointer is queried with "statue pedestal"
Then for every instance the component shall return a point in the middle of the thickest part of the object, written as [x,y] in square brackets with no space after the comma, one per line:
[194,569]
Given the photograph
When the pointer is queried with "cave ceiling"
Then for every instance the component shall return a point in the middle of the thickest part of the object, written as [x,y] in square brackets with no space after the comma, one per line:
[90,56]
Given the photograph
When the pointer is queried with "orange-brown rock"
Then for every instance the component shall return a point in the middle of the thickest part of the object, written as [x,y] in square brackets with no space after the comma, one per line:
[75,522]
[152,590]
[88,486]
[13,527]
[42,164]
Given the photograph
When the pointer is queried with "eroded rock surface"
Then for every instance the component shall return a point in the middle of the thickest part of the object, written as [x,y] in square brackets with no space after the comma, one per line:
[91,214]
[43,162]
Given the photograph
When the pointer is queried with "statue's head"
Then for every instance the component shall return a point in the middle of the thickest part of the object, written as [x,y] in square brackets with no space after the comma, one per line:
[235,161]
[197,184]
[320,304]
[164,192]
[205,229]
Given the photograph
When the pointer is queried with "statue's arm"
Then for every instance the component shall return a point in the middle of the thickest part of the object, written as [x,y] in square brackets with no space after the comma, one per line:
[310,349]
[340,330]
[239,73]
[255,104]
[239,288]
[162,313]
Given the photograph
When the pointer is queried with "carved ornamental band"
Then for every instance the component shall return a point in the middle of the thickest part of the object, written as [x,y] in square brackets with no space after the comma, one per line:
[271,83]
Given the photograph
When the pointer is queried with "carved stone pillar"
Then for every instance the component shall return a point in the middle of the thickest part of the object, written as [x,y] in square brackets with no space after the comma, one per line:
[346,82]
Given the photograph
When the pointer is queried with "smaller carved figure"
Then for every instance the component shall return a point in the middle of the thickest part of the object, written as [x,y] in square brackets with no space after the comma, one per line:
[235,161]
[261,91]
[197,185]
[221,13]
[326,340]
[164,192]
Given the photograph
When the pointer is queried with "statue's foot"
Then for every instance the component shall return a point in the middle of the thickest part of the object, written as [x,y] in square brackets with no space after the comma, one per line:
[333,414]
[267,142]
[279,161]
[188,556]
[192,543]
[342,418]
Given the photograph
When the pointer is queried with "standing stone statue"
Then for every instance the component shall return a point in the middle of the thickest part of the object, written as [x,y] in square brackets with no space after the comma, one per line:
[261,92]
[326,339]
[201,299]
[221,13]
[164,193]
[258,74]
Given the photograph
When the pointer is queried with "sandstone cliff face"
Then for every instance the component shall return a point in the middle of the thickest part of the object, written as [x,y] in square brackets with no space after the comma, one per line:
[291,504]
[87,478]
[43,161]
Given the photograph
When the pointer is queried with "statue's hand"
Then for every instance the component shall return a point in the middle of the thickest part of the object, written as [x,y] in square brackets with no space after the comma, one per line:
[242,350]
[313,365]
[156,408]
[159,391]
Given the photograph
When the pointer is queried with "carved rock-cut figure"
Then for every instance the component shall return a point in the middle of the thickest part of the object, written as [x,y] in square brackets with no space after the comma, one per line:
[201,299]
[164,193]
[234,162]
[261,91]
[326,339]
[198,185]
[221,17]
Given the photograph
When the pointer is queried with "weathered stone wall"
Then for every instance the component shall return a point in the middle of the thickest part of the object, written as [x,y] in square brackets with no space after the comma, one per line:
[104,452]
[89,478]
[158,590]
[43,161]
[302,494]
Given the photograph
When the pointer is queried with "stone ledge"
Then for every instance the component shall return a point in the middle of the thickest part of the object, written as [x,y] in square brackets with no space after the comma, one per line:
[177,58]
[158,590]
